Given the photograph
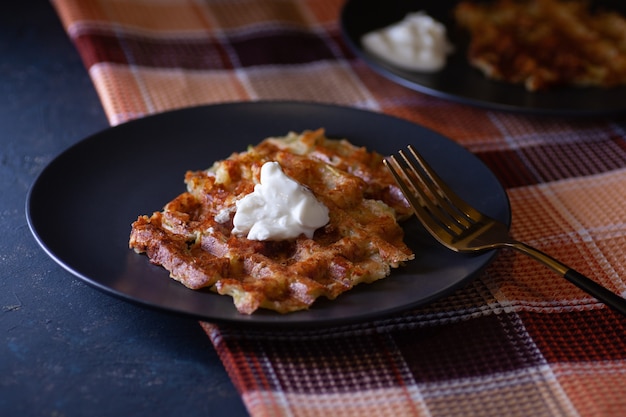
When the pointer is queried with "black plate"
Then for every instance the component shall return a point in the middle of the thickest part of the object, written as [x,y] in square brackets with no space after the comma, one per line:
[81,206]
[458,81]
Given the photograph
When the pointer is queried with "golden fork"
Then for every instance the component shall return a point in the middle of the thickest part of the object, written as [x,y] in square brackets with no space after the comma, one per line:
[462,228]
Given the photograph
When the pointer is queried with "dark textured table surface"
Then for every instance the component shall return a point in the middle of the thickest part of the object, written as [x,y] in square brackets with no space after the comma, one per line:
[68,349]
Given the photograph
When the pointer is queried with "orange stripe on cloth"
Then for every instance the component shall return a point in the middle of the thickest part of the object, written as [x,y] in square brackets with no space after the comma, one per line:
[127,94]
[584,383]
[156,16]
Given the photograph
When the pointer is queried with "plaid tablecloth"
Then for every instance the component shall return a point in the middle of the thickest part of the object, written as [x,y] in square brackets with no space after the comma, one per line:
[518,341]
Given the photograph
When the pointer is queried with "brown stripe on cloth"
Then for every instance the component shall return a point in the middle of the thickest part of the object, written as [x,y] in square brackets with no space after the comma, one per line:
[586,336]
[372,358]
[517,341]
[204,53]
[279,47]
[547,162]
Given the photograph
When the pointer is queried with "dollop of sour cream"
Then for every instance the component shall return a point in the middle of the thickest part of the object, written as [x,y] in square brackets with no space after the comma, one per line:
[279,208]
[417,43]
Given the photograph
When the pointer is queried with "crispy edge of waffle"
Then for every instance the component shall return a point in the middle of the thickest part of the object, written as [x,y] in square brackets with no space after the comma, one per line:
[544,44]
[361,243]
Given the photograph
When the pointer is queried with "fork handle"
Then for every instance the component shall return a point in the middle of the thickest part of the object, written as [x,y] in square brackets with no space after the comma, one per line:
[581,281]
[598,291]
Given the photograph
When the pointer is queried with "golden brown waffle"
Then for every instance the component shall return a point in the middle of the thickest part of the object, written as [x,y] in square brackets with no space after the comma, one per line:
[544,44]
[361,242]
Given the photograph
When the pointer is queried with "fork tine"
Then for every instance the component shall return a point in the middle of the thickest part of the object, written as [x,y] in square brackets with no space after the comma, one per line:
[427,196]
[416,198]
[437,202]
[441,211]
[453,203]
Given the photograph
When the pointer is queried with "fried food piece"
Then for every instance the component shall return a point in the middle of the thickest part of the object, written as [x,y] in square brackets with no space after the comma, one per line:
[544,44]
[191,237]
